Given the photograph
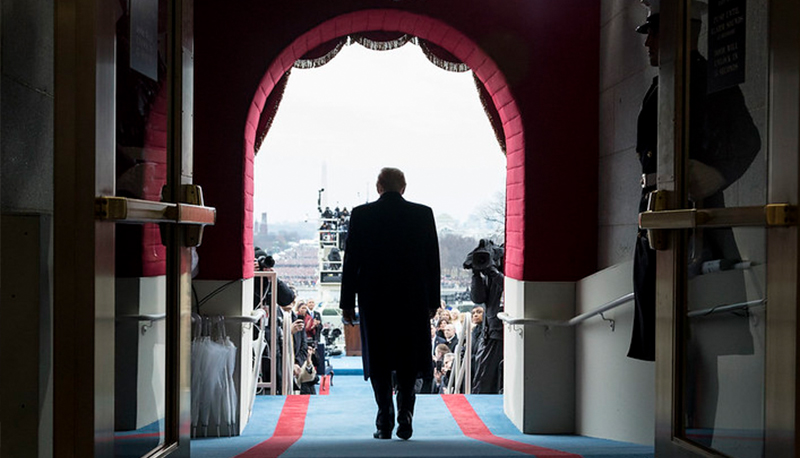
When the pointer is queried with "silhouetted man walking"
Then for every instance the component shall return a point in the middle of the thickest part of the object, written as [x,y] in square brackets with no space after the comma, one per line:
[392,264]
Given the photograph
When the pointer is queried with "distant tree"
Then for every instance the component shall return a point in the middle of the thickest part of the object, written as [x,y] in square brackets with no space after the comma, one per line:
[453,248]
[493,213]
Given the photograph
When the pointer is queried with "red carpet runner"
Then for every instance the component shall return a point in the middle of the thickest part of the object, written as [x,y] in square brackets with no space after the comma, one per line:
[472,426]
[287,432]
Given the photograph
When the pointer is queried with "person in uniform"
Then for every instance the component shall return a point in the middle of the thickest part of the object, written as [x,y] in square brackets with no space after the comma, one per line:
[392,265]
[723,142]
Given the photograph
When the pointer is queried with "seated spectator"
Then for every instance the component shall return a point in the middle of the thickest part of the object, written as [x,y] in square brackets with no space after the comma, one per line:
[438,363]
[440,324]
[433,338]
[477,327]
[316,320]
[297,341]
[442,370]
[449,337]
[477,336]
[447,371]
[301,311]
[457,320]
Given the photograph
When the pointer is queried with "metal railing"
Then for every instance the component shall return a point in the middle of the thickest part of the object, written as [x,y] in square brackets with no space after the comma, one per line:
[150,318]
[462,368]
[287,349]
[616,303]
[726,308]
[271,312]
[572,321]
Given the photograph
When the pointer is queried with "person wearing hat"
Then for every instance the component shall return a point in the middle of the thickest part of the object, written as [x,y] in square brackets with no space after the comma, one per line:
[723,143]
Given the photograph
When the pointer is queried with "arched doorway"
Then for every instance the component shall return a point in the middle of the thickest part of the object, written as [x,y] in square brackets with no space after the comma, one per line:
[541,62]
[444,46]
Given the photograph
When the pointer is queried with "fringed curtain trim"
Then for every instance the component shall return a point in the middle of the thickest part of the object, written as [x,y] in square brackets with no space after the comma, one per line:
[270,109]
[381,41]
[441,57]
[322,54]
[491,112]
[378,41]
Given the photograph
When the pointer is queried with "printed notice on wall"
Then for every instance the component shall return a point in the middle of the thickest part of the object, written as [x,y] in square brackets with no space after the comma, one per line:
[144,37]
[726,43]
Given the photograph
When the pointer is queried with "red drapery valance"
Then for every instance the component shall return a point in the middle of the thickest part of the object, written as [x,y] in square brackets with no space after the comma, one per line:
[378,41]
[322,54]
[271,109]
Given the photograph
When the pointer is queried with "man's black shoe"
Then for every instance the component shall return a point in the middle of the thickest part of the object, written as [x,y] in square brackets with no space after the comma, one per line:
[404,432]
[382,434]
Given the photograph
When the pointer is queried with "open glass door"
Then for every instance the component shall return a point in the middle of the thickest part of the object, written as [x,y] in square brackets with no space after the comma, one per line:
[159,216]
[723,221]
[127,217]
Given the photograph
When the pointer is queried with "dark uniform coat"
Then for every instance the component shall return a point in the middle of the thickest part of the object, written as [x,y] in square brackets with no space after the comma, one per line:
[723,136]
[392,265]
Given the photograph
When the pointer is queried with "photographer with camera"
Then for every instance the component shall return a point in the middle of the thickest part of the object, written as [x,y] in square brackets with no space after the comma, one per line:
[263,295]
[486,263]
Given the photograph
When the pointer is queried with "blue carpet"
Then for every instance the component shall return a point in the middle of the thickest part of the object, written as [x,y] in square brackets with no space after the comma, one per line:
[341,425]
[138,442]
[346,365]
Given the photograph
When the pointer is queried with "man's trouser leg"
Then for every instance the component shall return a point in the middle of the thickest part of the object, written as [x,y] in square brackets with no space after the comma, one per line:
[382,388]
[406,396]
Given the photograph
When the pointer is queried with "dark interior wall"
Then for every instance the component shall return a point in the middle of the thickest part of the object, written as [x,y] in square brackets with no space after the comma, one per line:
[28,95]
[547,51]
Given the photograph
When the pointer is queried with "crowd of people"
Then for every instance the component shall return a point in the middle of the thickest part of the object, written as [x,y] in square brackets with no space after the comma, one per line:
[306,331]
[447,329]
[448,342]
[334,226]
[307,350]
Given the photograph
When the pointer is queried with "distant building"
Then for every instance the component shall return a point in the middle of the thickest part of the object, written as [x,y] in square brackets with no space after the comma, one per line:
[263,228]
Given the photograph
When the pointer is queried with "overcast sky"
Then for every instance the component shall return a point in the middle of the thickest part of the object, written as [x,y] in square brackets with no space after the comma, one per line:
[339,124]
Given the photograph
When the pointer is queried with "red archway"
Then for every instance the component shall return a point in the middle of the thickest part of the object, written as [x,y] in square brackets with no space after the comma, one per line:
[442,35]
[544,53]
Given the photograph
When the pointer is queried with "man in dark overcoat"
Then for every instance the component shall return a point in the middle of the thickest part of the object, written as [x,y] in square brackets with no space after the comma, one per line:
[392,265]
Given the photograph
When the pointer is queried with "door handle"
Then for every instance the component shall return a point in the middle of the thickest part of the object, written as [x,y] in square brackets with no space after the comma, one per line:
[770,215]
[191,214]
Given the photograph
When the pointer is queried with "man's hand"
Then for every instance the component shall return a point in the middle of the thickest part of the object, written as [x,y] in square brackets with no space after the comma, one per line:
[297,326]
[348,316]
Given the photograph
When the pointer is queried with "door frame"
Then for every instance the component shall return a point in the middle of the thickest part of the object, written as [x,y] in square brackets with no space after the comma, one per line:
[783,275]
[83,287]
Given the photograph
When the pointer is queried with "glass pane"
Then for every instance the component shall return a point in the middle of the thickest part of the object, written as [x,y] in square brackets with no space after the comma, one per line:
[141,283]
[723,380]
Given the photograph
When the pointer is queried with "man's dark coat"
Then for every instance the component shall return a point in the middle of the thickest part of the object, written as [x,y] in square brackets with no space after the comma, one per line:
[392,264]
